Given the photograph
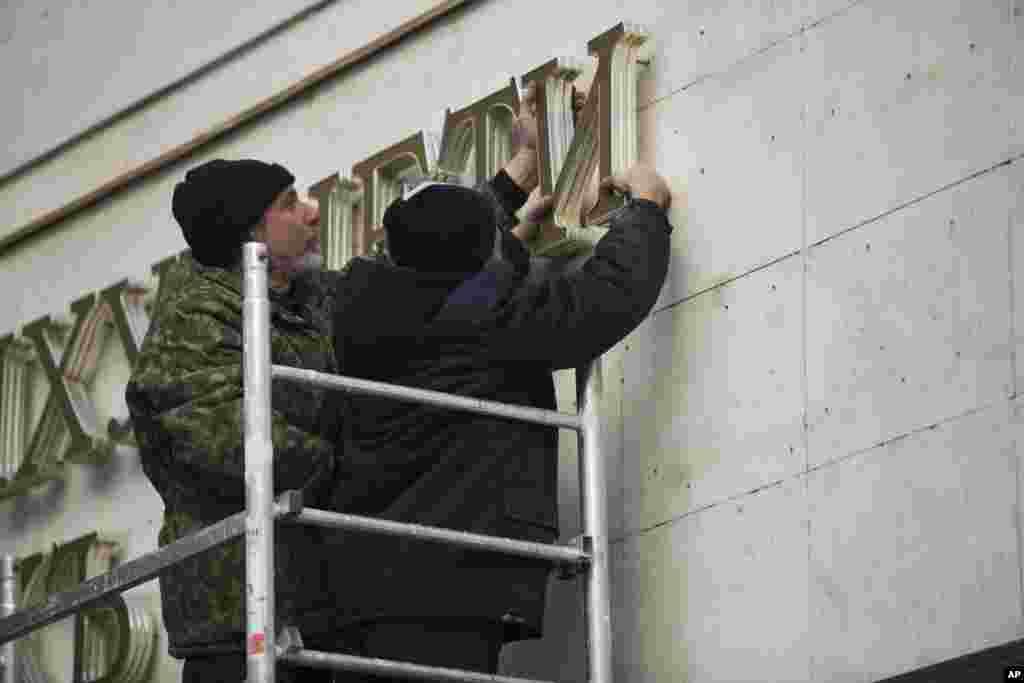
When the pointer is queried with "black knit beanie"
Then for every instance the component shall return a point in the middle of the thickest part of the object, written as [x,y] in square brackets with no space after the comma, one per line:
[220,201]
[442,229]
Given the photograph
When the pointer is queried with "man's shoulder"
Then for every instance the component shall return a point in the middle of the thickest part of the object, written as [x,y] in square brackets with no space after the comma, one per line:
[199,308]
[318,287]
[358,275]
[198,289]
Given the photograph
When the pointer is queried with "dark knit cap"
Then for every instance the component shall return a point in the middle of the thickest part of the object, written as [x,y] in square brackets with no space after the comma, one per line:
[442,229]
[220,201]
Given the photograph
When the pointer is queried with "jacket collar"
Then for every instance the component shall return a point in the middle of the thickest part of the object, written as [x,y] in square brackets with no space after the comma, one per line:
[230,278]
[391,300]
[289,304]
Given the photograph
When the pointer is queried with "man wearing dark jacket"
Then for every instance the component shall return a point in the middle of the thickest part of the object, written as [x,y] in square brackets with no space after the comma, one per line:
[456,311]
[185,398]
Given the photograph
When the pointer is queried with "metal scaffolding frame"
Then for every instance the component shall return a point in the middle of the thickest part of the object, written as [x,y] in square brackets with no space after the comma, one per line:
[8,603]
[264,646]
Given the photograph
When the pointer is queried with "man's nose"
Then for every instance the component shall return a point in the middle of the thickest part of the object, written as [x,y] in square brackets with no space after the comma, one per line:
[312,214]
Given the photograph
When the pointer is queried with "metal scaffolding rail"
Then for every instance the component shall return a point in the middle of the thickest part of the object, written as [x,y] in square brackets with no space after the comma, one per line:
[264,646]
[8,603]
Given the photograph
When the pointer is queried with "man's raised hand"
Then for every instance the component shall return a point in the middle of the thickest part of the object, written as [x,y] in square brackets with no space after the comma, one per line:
[642,182]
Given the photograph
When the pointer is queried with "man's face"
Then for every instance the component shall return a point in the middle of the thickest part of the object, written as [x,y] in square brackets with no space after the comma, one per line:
[290,230]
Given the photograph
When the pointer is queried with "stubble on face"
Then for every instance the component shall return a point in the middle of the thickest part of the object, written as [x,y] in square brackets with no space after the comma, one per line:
[310,257]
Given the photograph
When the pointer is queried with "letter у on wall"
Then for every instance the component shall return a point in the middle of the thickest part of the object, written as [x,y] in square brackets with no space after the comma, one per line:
[474,143]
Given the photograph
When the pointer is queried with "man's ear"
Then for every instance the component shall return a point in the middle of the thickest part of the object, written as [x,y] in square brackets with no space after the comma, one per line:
[259,231]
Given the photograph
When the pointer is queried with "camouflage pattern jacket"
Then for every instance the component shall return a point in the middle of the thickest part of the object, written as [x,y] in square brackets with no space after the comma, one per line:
[185,398]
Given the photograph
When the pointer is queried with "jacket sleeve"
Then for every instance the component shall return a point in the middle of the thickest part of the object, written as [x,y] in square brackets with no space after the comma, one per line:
[507,198]
[186,395]
[567,319]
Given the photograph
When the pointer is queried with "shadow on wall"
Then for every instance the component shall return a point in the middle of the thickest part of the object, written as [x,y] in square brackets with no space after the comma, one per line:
[37,507]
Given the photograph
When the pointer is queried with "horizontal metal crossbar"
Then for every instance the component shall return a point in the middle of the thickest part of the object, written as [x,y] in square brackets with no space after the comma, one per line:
[510,546]
[436,398]
[149,566]
[387,667]
[119,579]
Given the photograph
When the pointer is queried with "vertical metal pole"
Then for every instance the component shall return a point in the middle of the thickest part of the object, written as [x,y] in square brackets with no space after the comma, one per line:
[8,603]
[259,469]
[593,492]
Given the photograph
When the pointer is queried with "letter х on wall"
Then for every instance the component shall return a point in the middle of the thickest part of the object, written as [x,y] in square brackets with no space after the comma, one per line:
[66,352]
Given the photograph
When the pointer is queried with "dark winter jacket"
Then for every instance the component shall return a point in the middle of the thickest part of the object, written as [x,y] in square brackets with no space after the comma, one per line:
[185,398]
[496,335]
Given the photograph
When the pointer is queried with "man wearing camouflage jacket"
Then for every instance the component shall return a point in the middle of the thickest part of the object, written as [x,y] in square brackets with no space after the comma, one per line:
[185,398]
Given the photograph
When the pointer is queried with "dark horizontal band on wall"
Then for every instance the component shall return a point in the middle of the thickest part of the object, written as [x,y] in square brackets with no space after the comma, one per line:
[248,115]
[984,665]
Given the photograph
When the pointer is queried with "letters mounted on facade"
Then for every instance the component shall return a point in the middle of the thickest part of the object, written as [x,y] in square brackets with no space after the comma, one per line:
[576,147]
[66,352]
[113,643]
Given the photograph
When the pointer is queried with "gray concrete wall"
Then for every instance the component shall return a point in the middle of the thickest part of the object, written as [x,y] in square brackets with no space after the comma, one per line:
[819,473]
[68,66]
